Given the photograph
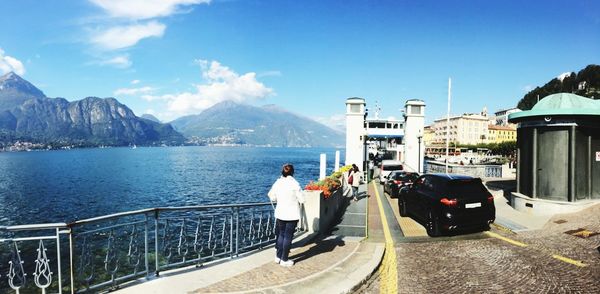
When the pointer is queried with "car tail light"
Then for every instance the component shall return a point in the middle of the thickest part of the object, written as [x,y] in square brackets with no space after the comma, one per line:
[449,202]
[490,198]
[397,182]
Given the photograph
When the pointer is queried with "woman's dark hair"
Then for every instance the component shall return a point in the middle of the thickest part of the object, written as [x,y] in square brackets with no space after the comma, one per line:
[287,170]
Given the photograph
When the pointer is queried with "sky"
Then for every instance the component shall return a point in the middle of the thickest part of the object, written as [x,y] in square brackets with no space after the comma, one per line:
[172,58]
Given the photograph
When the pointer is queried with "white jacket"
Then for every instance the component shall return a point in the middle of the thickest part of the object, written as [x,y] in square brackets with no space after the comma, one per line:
[288,194]
[356,178]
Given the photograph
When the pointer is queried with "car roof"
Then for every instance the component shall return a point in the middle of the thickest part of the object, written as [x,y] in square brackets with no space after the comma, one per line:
[390,162]
[403,172]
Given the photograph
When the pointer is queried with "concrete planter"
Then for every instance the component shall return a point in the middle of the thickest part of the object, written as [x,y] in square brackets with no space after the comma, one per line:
[320,213]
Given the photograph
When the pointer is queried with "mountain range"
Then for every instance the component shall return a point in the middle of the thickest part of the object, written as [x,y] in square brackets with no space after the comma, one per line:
[26,114]
[270,125]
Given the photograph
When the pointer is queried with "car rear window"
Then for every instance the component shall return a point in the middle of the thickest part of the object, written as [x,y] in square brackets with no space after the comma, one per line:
[409,177]
[392,167]
[470,187]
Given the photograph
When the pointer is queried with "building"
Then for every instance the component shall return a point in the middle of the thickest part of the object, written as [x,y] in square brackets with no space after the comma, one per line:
[467,129]
[388,134]
[501,117]
[403,140]
[355,130]
[414,148]
[558,150]
[499,134]
[428,135]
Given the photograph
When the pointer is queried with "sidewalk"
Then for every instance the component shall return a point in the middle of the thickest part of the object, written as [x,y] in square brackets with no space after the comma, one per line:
[331,264]
[506,216]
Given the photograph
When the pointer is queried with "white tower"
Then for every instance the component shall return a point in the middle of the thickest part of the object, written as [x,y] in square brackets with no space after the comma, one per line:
[414,147]
[355,130]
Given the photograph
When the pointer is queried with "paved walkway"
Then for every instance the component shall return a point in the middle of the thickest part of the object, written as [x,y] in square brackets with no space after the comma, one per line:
[327,264]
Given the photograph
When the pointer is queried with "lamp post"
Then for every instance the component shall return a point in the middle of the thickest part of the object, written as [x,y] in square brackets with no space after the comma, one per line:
[419,153]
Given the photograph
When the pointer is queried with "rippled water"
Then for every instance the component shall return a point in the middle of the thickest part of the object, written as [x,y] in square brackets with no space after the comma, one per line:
[59,186]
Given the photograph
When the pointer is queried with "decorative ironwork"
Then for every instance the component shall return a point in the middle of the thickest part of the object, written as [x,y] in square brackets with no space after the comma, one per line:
[182,246]
[199,240]
[134,254]
[167,246]
[86,263]
[212,243]
[42,275]
[225,235]
[111,261]
[16,272]
[172,236]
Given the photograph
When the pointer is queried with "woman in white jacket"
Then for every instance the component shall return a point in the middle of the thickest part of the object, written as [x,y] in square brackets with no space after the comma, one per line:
[287,193]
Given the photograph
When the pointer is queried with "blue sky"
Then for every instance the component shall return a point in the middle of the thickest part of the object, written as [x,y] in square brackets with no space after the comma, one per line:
[177,57]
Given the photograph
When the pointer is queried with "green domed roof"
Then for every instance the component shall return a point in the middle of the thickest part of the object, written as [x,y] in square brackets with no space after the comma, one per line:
[560,104]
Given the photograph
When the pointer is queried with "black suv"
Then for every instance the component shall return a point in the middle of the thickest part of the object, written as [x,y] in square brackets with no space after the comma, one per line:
[398,180]
[444,203]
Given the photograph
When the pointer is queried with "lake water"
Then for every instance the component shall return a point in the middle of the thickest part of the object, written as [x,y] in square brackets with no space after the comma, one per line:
[62,186]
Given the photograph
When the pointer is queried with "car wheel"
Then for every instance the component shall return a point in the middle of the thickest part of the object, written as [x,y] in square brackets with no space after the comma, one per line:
[402,207]
[433,226]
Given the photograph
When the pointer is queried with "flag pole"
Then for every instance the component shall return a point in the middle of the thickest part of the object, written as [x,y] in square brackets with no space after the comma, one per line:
[448,122]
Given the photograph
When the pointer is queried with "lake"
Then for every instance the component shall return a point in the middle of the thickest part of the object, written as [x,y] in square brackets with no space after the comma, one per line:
[65,185]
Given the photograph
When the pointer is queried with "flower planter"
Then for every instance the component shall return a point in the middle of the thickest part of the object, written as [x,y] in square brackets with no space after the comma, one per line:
[319,213]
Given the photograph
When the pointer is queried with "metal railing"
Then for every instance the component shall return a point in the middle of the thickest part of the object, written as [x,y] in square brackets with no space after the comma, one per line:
[101,253]
[481,171]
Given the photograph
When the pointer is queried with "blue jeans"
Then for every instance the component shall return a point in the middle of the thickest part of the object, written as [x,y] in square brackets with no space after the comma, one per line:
[354,191]
[284,232]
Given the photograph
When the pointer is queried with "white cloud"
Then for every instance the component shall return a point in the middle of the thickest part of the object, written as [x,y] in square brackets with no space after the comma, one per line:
[9,63]
[135,82]
[270,73]
[119,37]
[121,61]
[221,83]
[144,9]
[133,91]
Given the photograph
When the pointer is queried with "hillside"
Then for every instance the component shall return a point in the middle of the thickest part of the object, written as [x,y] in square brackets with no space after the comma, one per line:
[28,115]
[230,122]
[584,83]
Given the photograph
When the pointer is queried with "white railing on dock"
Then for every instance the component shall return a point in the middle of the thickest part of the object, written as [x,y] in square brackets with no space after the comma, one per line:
[100,253]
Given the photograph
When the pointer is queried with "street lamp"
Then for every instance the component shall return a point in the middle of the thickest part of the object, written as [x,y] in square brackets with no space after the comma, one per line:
[419,153]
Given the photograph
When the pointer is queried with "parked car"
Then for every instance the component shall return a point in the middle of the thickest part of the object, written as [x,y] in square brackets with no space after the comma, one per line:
[397,180]
[386,167]
[444,203]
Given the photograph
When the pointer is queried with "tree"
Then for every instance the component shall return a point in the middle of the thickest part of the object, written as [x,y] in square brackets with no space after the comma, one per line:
[569,84]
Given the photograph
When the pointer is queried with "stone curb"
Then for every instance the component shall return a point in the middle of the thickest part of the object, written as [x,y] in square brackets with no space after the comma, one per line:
[373,265]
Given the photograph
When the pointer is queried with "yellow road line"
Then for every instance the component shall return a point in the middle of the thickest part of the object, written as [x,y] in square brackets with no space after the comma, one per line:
[568,260]
[511,241]
[388,271]
[555,256]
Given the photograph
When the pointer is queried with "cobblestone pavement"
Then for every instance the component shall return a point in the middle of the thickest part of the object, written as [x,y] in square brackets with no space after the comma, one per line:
[310,259]
[481,263]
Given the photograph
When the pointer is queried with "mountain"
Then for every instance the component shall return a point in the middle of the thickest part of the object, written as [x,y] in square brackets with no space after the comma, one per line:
[151,117]
[230,122]
[29,115]
[14,90]
[584,83]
